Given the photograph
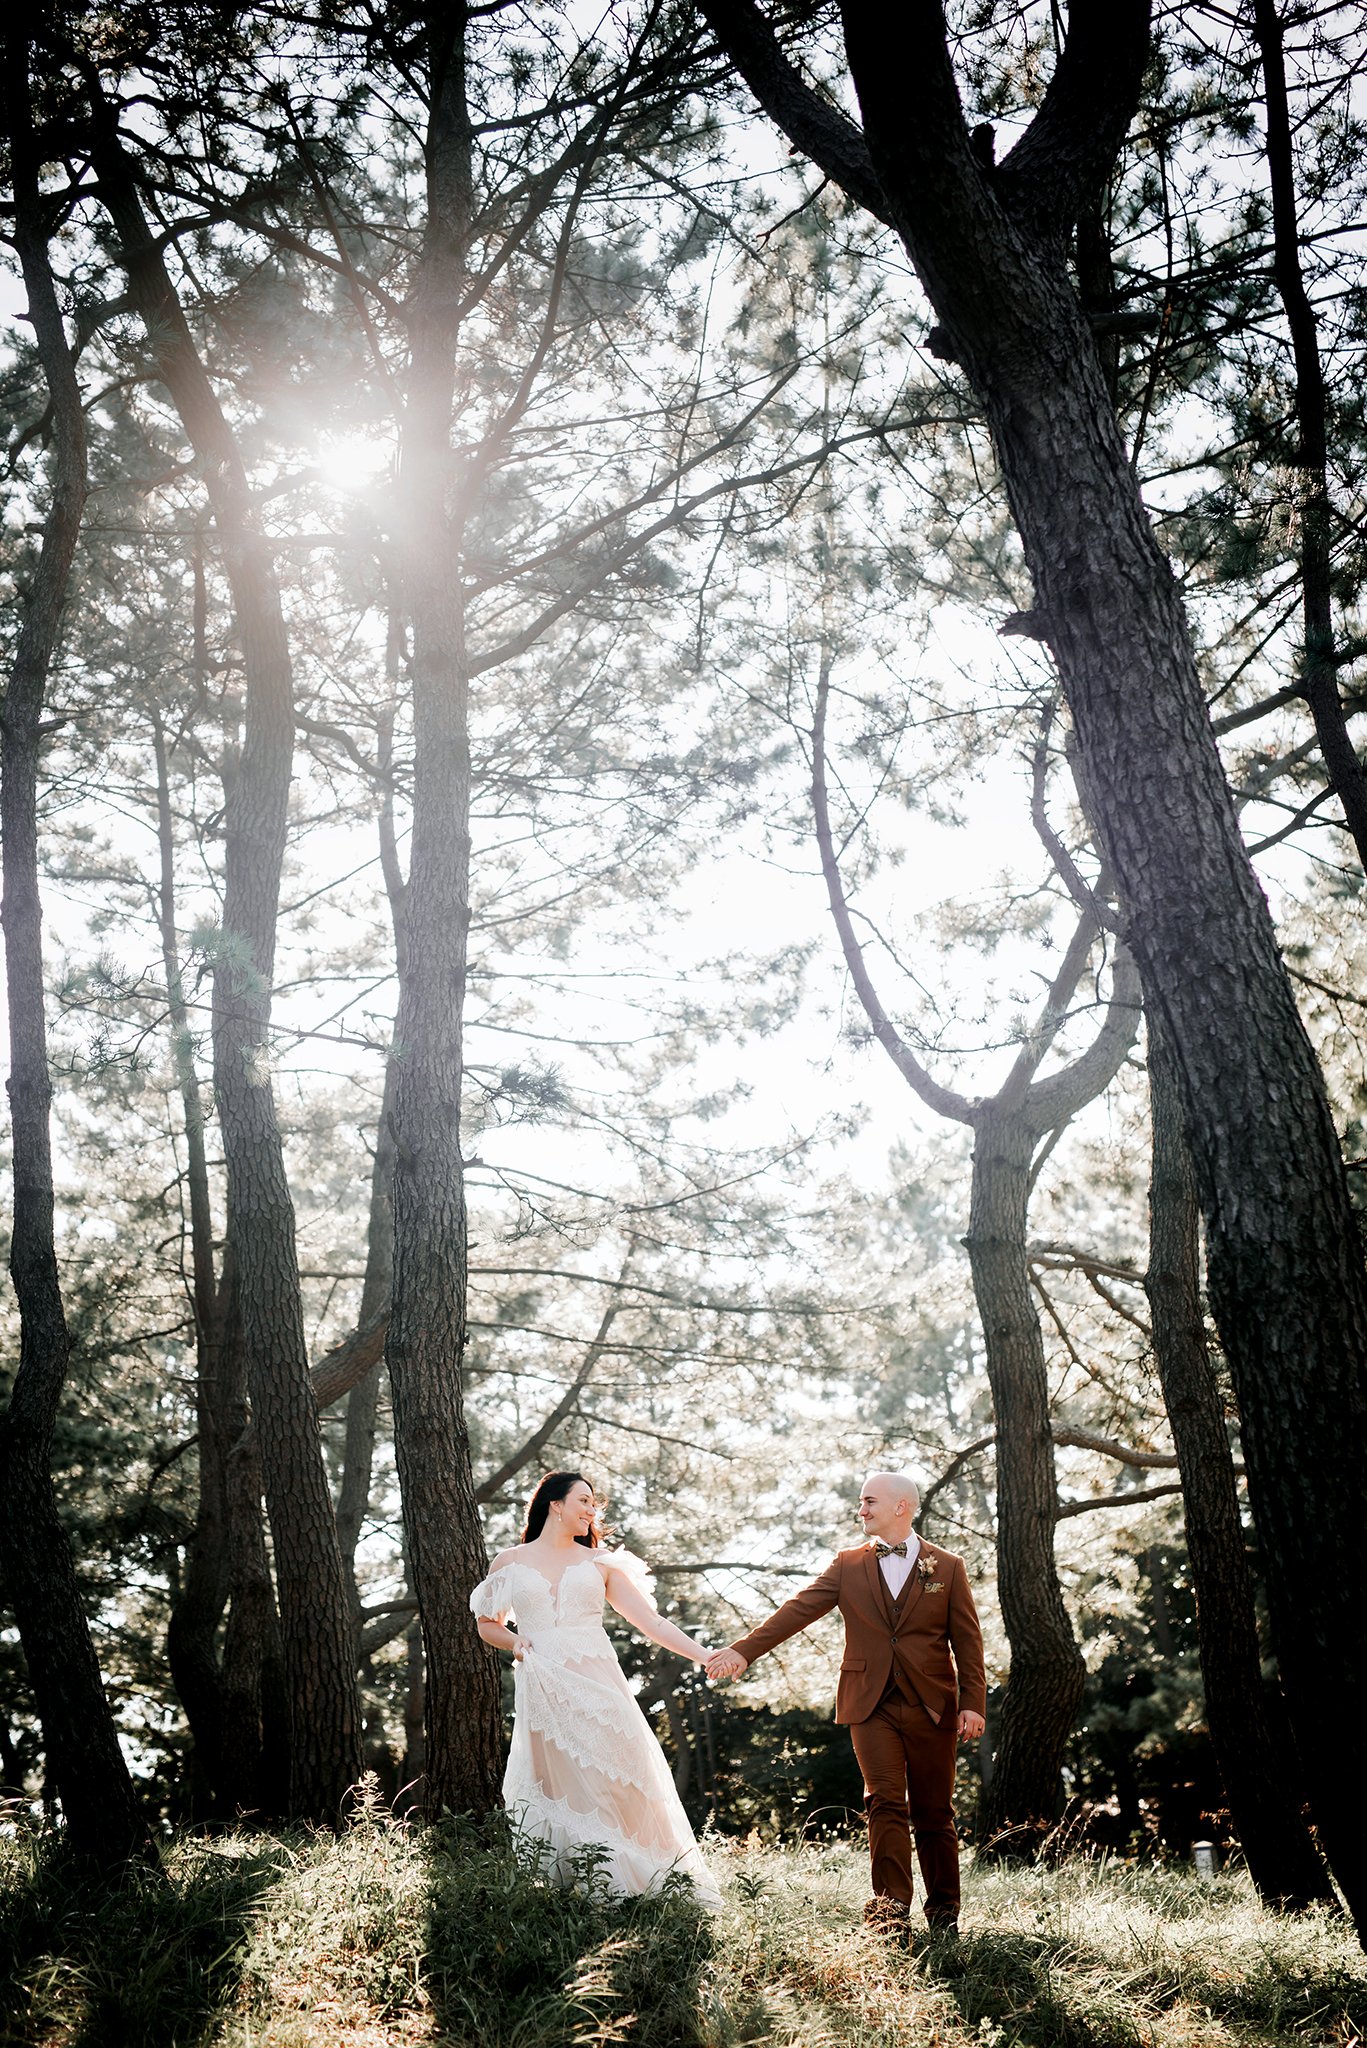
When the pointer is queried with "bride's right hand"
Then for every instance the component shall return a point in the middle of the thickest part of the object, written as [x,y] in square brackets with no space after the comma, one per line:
[725,1664]
[520,1647]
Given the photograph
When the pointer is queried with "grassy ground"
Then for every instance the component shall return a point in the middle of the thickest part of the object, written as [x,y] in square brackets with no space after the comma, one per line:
[384,1939]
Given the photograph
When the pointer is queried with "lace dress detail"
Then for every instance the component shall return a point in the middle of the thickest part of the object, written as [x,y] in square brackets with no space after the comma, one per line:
[584,1767]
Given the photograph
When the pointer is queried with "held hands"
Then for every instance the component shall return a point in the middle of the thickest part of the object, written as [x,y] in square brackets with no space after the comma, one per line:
[970,1726]
[725,1664]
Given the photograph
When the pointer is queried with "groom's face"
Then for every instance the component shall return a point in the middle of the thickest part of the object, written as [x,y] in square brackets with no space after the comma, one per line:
[881,1510]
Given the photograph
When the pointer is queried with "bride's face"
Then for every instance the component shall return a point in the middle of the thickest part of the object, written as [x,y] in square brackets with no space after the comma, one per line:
[576,1510]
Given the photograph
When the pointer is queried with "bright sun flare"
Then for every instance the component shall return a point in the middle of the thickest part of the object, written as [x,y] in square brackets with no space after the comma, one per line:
[352,462]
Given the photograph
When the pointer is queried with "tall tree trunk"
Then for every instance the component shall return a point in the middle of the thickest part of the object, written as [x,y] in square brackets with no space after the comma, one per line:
[1258,1775]
[358,1452]
[255,1742]
[353,1492]
[192,1631]
[315,1621]
[1286,1271]
[1319,671]
[83,1754]
[377,1288]
[231,1695]
[1287,1278]
[445,1540]
[1044,1691]
[353,1496]
[413,1770]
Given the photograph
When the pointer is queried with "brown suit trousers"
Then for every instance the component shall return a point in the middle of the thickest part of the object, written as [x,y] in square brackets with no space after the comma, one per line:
[908,1767]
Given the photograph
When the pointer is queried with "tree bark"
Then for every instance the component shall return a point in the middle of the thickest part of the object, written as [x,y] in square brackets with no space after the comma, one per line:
[230,1693]
[1045,1687]
[1286,1271]
[358,1454]
[83,1755]
[445,1540]
[1258,1774]
[378,1286]
[1319,669]
[353,1494]
[413,1771]
[255,1749]
[202,1596]
[315,1622]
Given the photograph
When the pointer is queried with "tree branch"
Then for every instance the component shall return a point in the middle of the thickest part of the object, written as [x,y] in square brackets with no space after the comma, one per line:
[1067,1509]
[1061,1095]
[1081,891]
[1108,1447]
[945,1101]
[732,1564]
[810,122]
[953,1469]
[1065,155]
[392,1623]
[340,1369]
[1065,1258]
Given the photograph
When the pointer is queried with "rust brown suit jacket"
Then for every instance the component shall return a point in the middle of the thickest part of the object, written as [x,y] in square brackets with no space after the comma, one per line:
[931,1636]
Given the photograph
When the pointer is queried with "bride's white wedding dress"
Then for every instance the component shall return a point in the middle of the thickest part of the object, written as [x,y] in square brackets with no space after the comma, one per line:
[584,1767]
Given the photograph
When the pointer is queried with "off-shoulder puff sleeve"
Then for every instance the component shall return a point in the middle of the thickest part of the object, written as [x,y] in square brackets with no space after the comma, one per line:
[633,1568]
[493,1596]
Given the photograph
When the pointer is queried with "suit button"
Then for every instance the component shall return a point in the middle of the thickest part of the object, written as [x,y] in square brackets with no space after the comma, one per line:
[894,1642]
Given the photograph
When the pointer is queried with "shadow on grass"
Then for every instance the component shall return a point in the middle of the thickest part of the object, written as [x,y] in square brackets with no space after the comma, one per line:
[517,1960]
[151,1961]
[1053,1993]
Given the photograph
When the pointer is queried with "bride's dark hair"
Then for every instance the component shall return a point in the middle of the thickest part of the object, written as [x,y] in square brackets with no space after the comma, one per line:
[555,1486]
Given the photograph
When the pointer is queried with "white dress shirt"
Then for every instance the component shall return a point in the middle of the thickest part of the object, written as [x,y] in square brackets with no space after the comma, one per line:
[897,1570]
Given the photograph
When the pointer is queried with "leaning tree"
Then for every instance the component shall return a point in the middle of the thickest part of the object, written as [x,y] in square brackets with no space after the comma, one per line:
[991,244]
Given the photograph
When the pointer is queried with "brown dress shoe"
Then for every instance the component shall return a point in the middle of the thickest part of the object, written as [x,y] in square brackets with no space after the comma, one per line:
[885,1912]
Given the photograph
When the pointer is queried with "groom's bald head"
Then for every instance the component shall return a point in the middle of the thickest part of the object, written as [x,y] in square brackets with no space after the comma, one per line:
[887,1505]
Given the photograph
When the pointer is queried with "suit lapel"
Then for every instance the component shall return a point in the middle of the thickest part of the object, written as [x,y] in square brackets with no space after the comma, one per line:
[882,1596]
[916,1584]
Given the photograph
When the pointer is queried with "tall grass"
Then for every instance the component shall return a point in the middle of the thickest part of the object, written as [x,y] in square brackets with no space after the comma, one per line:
[153,1960]
[1094,1955]
[384,1938]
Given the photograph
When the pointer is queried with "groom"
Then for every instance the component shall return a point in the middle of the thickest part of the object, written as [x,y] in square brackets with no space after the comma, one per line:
[906,1606]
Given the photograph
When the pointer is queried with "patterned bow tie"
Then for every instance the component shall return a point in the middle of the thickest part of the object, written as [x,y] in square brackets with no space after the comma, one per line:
[889,1549]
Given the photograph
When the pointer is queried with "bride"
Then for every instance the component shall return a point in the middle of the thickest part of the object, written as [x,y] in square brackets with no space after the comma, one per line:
[584,1768]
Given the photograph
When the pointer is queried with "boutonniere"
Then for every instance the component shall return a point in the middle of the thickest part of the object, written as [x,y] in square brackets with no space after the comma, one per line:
[927,1565]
